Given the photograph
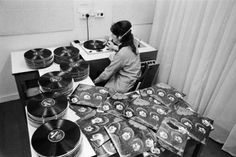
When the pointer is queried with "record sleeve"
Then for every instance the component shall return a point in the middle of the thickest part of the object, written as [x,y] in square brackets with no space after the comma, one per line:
[173,135]
[88,95]
[148,111]
[131,138]
[198,127]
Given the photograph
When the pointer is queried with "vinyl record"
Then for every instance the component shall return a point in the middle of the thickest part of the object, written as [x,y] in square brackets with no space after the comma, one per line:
[57,138]
[65,54]
[38,58]
[79,70]
[74,66]
[39,64]
[46,105]
[54,81]
[94,44]
[38,54]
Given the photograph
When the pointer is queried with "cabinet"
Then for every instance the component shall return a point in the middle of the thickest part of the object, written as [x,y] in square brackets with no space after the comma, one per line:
[97,67]
[25,77]
[25,81]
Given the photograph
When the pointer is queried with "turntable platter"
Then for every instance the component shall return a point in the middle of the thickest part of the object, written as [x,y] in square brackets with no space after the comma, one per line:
[94,44]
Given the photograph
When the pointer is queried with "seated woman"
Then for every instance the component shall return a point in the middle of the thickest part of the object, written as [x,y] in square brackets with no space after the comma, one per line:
[125,66]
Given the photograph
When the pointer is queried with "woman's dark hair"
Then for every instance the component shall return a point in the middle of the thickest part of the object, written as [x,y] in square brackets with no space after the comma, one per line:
[123,29]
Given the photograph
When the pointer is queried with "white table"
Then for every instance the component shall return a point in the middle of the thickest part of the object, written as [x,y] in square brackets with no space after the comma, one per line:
[22,73]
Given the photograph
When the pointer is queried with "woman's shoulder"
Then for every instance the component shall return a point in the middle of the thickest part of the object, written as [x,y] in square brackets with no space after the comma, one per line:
[126,50]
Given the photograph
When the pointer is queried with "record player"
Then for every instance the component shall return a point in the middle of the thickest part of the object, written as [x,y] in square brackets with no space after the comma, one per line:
[147,52]
[95,46]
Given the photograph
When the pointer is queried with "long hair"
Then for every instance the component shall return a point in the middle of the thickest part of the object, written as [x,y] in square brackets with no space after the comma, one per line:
[123,29]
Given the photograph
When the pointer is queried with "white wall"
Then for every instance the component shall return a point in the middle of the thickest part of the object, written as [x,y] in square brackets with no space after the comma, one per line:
[139,12]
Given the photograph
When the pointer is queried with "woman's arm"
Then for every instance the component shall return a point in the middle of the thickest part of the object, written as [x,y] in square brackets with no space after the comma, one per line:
[115,65]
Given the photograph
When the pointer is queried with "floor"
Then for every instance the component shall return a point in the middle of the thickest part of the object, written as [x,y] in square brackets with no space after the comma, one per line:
[14,140]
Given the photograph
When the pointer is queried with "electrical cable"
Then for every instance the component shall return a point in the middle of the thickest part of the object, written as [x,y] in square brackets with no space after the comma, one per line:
[87,16]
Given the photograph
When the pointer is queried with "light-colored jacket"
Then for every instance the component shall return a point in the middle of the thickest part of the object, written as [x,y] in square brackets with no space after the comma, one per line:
[123,71]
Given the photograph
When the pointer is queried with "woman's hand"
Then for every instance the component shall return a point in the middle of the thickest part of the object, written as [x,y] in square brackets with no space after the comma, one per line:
[95,81]
[112,46]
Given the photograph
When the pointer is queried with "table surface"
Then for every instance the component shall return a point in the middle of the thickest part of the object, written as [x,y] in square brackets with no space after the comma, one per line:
[86,149]
[19,64]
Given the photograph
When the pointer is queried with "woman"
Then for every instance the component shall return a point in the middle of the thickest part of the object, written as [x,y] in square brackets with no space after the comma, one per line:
[125,66]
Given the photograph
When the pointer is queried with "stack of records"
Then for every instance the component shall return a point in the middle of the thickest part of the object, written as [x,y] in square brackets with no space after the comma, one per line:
[56,82]
[38,58]
[58,138]
[66,54]
[79,70]
[44,107]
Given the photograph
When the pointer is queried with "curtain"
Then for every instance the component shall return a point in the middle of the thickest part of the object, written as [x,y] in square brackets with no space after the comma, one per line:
[196,42]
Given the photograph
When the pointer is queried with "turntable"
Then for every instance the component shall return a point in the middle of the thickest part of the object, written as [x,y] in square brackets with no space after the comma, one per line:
[147,52]
[95,46]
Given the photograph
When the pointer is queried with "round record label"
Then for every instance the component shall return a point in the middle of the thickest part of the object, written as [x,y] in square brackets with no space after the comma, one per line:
[48,102]
[56,135]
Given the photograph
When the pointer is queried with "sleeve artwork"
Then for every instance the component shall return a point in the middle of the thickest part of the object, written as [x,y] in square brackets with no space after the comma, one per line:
[114,66]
